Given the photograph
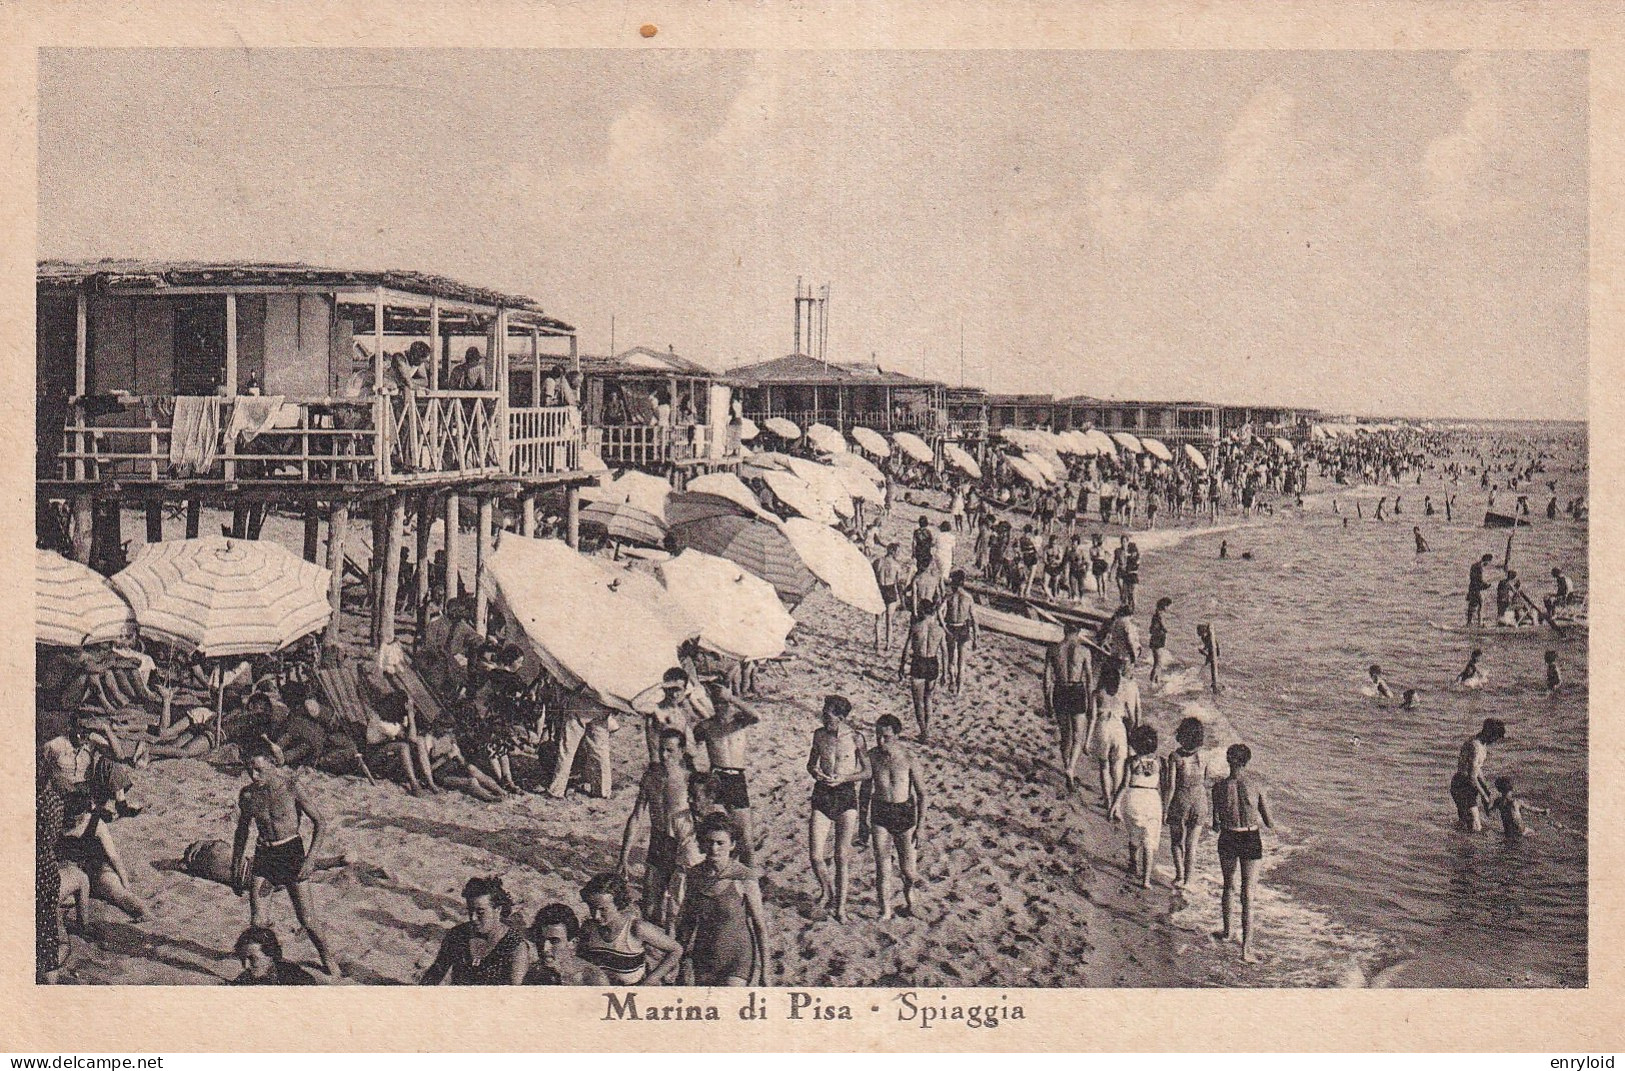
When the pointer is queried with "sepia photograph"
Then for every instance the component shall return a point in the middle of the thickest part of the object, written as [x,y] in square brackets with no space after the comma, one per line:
[1002,518]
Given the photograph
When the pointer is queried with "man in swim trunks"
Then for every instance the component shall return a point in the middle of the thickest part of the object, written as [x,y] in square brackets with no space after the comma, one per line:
[921,666]
[959,622]
[889,576]
[1240,810]
[838,763]
[1469,789]
[272,806]
[894,807]
[726,738]
[1476,586]
[662,795]
[1069,695]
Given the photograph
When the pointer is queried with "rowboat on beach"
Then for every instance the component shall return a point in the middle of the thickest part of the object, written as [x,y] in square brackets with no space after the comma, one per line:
[1503,520]
[1578,629]
[1031,618]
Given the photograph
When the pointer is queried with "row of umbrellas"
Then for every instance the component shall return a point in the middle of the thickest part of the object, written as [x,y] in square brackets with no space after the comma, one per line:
[213,596]
[830,441]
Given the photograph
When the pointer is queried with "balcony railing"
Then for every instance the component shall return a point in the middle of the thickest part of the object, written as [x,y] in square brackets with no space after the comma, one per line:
[928,421]
[544,440]
[440,433]
[652,445]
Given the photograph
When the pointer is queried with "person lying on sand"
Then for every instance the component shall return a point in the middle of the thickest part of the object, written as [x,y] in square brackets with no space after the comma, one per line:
[837,763]
[893,806]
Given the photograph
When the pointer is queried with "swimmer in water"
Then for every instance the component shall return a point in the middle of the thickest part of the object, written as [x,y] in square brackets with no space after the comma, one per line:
[1554,676]
[1472,676]
[1421,544]
[1409,702]
[1379,687]
[1511,809]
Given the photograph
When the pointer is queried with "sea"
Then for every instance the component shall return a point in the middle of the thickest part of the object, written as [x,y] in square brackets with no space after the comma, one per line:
[1369,880]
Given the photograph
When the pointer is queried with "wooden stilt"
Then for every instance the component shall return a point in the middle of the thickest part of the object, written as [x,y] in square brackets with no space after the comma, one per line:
[391,587]
[84,527]
[527,516]
[194,517]
[375,569]
[453,538]
[482,557]
[155,522]
[313,533]
[425,521]
[239,522]
[572,515]
[338,522]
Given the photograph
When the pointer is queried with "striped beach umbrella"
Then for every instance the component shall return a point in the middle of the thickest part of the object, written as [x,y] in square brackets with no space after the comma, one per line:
[223,597]
[75,605]
[625,522]
[760,548]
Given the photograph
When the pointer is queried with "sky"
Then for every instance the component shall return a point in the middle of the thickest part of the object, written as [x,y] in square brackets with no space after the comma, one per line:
[1393,233]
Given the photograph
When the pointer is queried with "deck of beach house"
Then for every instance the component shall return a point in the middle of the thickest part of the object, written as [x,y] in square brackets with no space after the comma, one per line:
[1270,420]
[967,410]
[842,395]
[659,412]
[256,387]
[1020,411]
[1196,423]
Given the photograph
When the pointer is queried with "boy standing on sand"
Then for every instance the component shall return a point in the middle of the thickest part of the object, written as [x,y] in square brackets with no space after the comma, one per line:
[1069,695]
[959,621]
[726,738]
[662,795]
[923,654]
[1159,637]
[889,576]
[894,809]
[837,762]
[1468,789]
[272,805]
[1239,812]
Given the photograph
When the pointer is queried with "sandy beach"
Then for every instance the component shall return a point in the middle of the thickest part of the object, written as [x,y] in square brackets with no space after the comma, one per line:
[1022,886]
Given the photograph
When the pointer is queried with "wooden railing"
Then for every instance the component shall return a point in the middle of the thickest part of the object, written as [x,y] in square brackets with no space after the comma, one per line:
[967,430]
[651,445]
[543,440]
[923,421]
[439,433]
[330,440]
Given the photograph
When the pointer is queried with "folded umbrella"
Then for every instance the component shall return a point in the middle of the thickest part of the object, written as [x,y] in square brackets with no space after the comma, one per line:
[74,605]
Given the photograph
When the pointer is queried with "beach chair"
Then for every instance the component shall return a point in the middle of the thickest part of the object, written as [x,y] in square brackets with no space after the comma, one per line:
[345,695]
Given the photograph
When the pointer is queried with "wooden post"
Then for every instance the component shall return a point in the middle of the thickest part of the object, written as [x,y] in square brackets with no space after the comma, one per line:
[194,517]
[338,522]
[434,344]
[572,515]
[81,346]
[378,341]
[453,523]
[482,557]
[425,522]
[231,345]
[391,587]
[535,368]
[239,522]
[313,533]
[375,569]
[527,516]
[155,522]
[83,528]
[575,357]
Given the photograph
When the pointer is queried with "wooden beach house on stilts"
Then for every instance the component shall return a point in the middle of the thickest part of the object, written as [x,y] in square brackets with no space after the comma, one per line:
[1196,423]
[329,393]
[659,412]
[843,396]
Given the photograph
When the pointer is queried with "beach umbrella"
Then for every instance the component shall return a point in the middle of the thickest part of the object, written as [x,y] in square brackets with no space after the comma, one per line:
[825,438]
[762,549]
[962,461]
[642,586]
[1127,442]
[625,522]
[739,613]
[584,631]
[1049,467]
[859,486]
[795,494]
[837,563]
[913,446]
[591,462]
[826,484]
[1285,445]
[784,429]
[1156,449]
[769,459]
[1025,469]
[861,464]
[74,605]
[643,491]
[1196,456]
[748,429]
[1014,436]
[872,441]
[686,507]
[1104,443]
[723,485]
[221,597]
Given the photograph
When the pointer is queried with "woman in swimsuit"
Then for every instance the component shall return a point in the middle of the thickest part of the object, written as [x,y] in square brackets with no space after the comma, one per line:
[1108,733]
[1139,802]
[723,927]
[617,941]
[488,949]
[1185,787]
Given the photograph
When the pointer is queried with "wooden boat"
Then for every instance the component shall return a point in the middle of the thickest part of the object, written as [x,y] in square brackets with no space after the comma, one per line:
[1023,628]
[1503,520]
[1033,605]
[1575,629]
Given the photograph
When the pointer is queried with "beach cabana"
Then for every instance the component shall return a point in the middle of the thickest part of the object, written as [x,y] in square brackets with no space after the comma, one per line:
[659,411]
[841,395]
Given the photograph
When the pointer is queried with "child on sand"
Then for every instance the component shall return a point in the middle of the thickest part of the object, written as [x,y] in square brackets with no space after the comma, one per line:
[1240,811]
[1511,809]
[838,763]
[894,810]
[1159,637]
[271,806]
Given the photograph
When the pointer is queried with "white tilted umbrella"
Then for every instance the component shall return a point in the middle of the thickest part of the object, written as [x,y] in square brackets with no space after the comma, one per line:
[958,458]
[1104,443]
[784,429]
[727,485]
[1127,442]
[748,429]
[739,613]
[74,605]
[837,563]
[825,438]
[1196,456]
[825,483]
[861,464]
[872,441]
[1156,449]
[794,493]
[914,447]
